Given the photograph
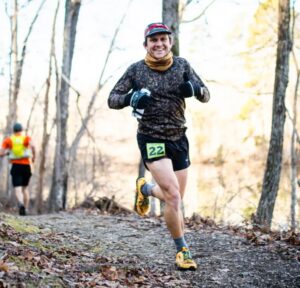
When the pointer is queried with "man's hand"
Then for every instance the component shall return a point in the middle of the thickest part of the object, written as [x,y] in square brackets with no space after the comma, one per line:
[138,99]
[3,153]
[189,89]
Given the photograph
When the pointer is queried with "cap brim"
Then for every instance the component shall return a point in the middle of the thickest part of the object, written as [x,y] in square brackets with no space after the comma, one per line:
[157,31]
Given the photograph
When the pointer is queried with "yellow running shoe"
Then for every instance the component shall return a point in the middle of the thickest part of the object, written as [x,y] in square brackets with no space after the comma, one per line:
[141,205]
[184,260]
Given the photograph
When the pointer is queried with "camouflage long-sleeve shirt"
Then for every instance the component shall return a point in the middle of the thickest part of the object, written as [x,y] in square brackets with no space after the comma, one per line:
[164,117]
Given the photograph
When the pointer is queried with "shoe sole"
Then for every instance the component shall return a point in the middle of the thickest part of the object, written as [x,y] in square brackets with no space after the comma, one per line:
[185,269]
[139,192]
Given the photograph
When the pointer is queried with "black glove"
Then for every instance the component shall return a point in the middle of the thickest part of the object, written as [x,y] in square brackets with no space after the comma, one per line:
[138,99]
[188,89]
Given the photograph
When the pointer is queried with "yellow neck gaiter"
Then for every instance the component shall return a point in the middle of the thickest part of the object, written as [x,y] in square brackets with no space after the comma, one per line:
[162,64]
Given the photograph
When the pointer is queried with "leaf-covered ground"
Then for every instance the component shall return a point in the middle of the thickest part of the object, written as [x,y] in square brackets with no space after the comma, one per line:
[83,248]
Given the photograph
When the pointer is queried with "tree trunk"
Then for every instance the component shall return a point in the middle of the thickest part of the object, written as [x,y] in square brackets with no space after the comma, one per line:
[271,179]
[170,16]
[12,96]
[14,85]
[58,193]
[46,135]
[294,155]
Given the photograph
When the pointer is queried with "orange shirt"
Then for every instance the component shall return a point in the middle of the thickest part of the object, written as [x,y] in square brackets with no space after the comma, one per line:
[7,144]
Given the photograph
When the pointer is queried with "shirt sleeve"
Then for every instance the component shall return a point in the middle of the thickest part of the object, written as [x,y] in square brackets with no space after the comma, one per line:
[27,141]
[195,78]
[116,99]
[7,144]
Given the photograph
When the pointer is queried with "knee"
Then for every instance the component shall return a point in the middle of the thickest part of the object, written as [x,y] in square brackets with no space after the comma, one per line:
[172,196]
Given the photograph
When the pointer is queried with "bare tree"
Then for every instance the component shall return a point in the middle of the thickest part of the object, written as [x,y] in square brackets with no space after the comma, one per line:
[16,63]
[294,151]
[46,134]
[58,192]
[100,84]
[14,85]
[294,132]
[264,213]
[89,113]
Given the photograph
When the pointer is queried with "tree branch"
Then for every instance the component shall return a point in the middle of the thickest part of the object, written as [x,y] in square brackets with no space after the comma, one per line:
[87,117]
[200,15]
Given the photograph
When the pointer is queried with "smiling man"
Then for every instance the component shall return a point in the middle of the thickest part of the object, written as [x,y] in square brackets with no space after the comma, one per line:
[156,88]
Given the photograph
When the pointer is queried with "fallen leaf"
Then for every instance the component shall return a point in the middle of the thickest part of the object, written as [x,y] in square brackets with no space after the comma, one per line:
[3,267]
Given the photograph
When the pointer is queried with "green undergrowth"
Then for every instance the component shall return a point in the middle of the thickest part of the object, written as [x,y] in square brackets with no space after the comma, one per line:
[23,264]
[19,225]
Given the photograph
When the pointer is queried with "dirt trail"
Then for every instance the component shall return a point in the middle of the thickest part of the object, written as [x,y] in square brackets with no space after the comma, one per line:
[86,249]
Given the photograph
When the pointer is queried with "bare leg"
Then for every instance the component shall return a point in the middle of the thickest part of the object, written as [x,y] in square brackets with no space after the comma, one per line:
[168,190]
[25,196]
[19,195]
[182,181]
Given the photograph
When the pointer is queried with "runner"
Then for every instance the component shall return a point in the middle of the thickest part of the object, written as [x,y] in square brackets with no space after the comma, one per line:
[156,88]
[19,149]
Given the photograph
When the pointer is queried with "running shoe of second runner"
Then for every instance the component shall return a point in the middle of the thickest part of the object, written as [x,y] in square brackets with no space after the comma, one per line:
[184,260]
[22,210]
[142,203]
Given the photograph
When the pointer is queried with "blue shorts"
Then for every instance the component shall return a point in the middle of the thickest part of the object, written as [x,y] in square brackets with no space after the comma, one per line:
[153,149]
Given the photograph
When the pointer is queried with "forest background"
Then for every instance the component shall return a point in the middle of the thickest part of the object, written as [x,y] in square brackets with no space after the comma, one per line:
[230,44]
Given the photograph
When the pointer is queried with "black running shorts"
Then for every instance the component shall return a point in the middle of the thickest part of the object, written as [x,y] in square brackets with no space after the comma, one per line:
[153,149]
[20,175]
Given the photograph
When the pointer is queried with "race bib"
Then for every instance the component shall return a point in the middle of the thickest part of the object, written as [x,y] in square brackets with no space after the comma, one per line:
[155,150]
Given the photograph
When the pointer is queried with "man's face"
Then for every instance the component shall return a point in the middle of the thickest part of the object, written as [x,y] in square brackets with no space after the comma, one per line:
[158,45]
